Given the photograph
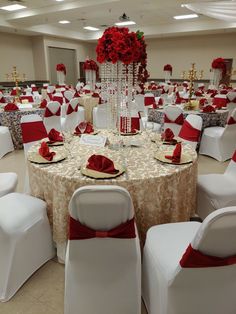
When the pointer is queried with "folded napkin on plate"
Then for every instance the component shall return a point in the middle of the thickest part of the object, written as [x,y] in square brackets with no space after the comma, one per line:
[54,136]
[198,93]
[43,103]
[202,102]
[88,129]
[11,107]
[102,164]
[208,108]
[168,135]
[45,152]
[176,156]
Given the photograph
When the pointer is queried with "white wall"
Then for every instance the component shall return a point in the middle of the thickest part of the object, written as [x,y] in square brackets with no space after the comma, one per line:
[180,52]
[16,50]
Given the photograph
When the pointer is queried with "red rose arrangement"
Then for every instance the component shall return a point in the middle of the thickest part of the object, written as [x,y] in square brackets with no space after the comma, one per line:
[118,44]
[167,67]
[90,64]
[219,63]
[61,67]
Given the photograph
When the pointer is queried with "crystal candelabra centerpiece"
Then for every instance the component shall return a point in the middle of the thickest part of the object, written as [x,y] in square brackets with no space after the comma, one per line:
[122,55]
[91,72]
[191,75]
[16,78]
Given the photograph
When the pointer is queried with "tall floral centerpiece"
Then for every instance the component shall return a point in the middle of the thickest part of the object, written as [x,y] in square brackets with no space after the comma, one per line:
[123,59]
[168,72]
[218,69]
[61,73]
[91,73]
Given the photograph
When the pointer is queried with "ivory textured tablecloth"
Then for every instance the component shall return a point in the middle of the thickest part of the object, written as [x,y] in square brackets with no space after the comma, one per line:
[88,103]
[161,192]
[11,119]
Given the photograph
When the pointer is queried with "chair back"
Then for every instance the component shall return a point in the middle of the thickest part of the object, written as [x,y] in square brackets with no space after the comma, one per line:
[231,98]
[191,130]
[68,94]
[173,118]
[231,122]
[101,264]
[72,115]
[139,100]
[51,89]
[231,169]
[52,116]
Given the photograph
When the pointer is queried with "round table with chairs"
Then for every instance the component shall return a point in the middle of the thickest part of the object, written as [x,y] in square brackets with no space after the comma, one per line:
[217,118]
[161,192]
[12,119]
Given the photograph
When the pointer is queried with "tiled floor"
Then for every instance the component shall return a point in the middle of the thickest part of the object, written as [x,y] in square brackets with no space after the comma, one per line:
[43,293]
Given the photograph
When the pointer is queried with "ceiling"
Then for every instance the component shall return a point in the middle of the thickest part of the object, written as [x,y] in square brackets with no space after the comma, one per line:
[154,17]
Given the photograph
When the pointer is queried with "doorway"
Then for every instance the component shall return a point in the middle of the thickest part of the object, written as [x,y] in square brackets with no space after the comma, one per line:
[68,58]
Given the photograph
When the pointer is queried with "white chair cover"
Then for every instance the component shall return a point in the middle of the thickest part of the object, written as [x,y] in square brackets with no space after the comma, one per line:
[8,182]
[100,116]
[196,122]
[219,142]
[104,270]
[54,121]
[215,191]
[173,112]
[74,118]
[170,289]
[6,144]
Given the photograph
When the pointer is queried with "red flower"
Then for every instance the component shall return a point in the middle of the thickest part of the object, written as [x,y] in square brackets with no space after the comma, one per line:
[219,63]
[61,67]
[91,65]
[167,67]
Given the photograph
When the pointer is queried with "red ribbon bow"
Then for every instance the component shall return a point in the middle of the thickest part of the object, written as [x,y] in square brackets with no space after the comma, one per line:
[189,133]
[179,120]
[48,113]
[45,152]
[176,156]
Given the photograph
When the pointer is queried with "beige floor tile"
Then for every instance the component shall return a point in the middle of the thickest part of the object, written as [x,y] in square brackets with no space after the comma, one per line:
[19,304]
[41,308]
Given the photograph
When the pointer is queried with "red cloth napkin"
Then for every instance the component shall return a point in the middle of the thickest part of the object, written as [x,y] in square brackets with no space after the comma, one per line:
[45,152]
[11,107]
[54,136]
[208,108]
[198,93]
[176,154]
[43,103]
[160,102]
[178,100]
[202,102]
[89,128]
[168,135]
[102,164]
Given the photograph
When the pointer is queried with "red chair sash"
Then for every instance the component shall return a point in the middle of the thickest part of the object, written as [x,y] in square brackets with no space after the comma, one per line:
[149,101]
[179,120]
[195,259]
[70,109]
[48,113]
[29,98]
[231,121]
[58,98]
[234,157]
[33,131]
[189,133]
[77,231]
[219,102]
[2,100]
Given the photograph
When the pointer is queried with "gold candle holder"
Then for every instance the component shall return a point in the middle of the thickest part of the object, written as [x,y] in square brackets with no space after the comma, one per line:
[16,78]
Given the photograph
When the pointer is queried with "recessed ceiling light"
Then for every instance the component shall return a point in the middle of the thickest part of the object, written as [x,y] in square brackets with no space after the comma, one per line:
[13,7]
[186,16]
[91,28]
[59,0]
[64,22]
[125,23]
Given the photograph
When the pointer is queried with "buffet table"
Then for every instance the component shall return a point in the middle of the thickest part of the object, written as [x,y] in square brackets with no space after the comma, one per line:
[161,192]
[11,119]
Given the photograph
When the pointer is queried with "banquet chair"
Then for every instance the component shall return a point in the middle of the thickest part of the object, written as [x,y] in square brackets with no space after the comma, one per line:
[28,98]
[189,267]
[33,131]
[104,267]
[215,191]
[74,115]
[150,102]
[100,116]
[6,144]
[25,239]
[52,116]
[190,131]
[68,95]
[173,119]
[2,99]
[231,98]
[8,182]
[220,142]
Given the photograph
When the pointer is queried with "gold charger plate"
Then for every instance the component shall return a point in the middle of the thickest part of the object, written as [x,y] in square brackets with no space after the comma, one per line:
[102,175]
[129,134]
[55,143]
[93,133]
[37,159]
[185,158]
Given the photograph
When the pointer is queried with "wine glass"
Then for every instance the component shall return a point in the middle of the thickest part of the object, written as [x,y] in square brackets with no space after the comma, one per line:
[149,127]
[67,138]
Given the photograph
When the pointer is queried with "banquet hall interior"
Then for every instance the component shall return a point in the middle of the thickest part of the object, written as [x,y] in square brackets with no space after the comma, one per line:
[117,157]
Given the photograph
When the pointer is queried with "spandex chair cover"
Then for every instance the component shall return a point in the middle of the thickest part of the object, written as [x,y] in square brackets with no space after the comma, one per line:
[220,142]
[6,144]
[176,282]
[100,116]
[215,191]
[25,239]
[8,182]
[74,115]
[102,274]
[52,116]
[173,119]
[190,132]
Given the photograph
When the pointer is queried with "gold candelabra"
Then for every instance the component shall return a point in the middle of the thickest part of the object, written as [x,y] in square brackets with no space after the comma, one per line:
[191,75]
[16,77]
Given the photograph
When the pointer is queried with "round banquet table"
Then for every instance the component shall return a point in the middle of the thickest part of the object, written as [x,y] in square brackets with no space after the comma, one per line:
[161,192]
[88,102]
[11,119]
[217,118]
